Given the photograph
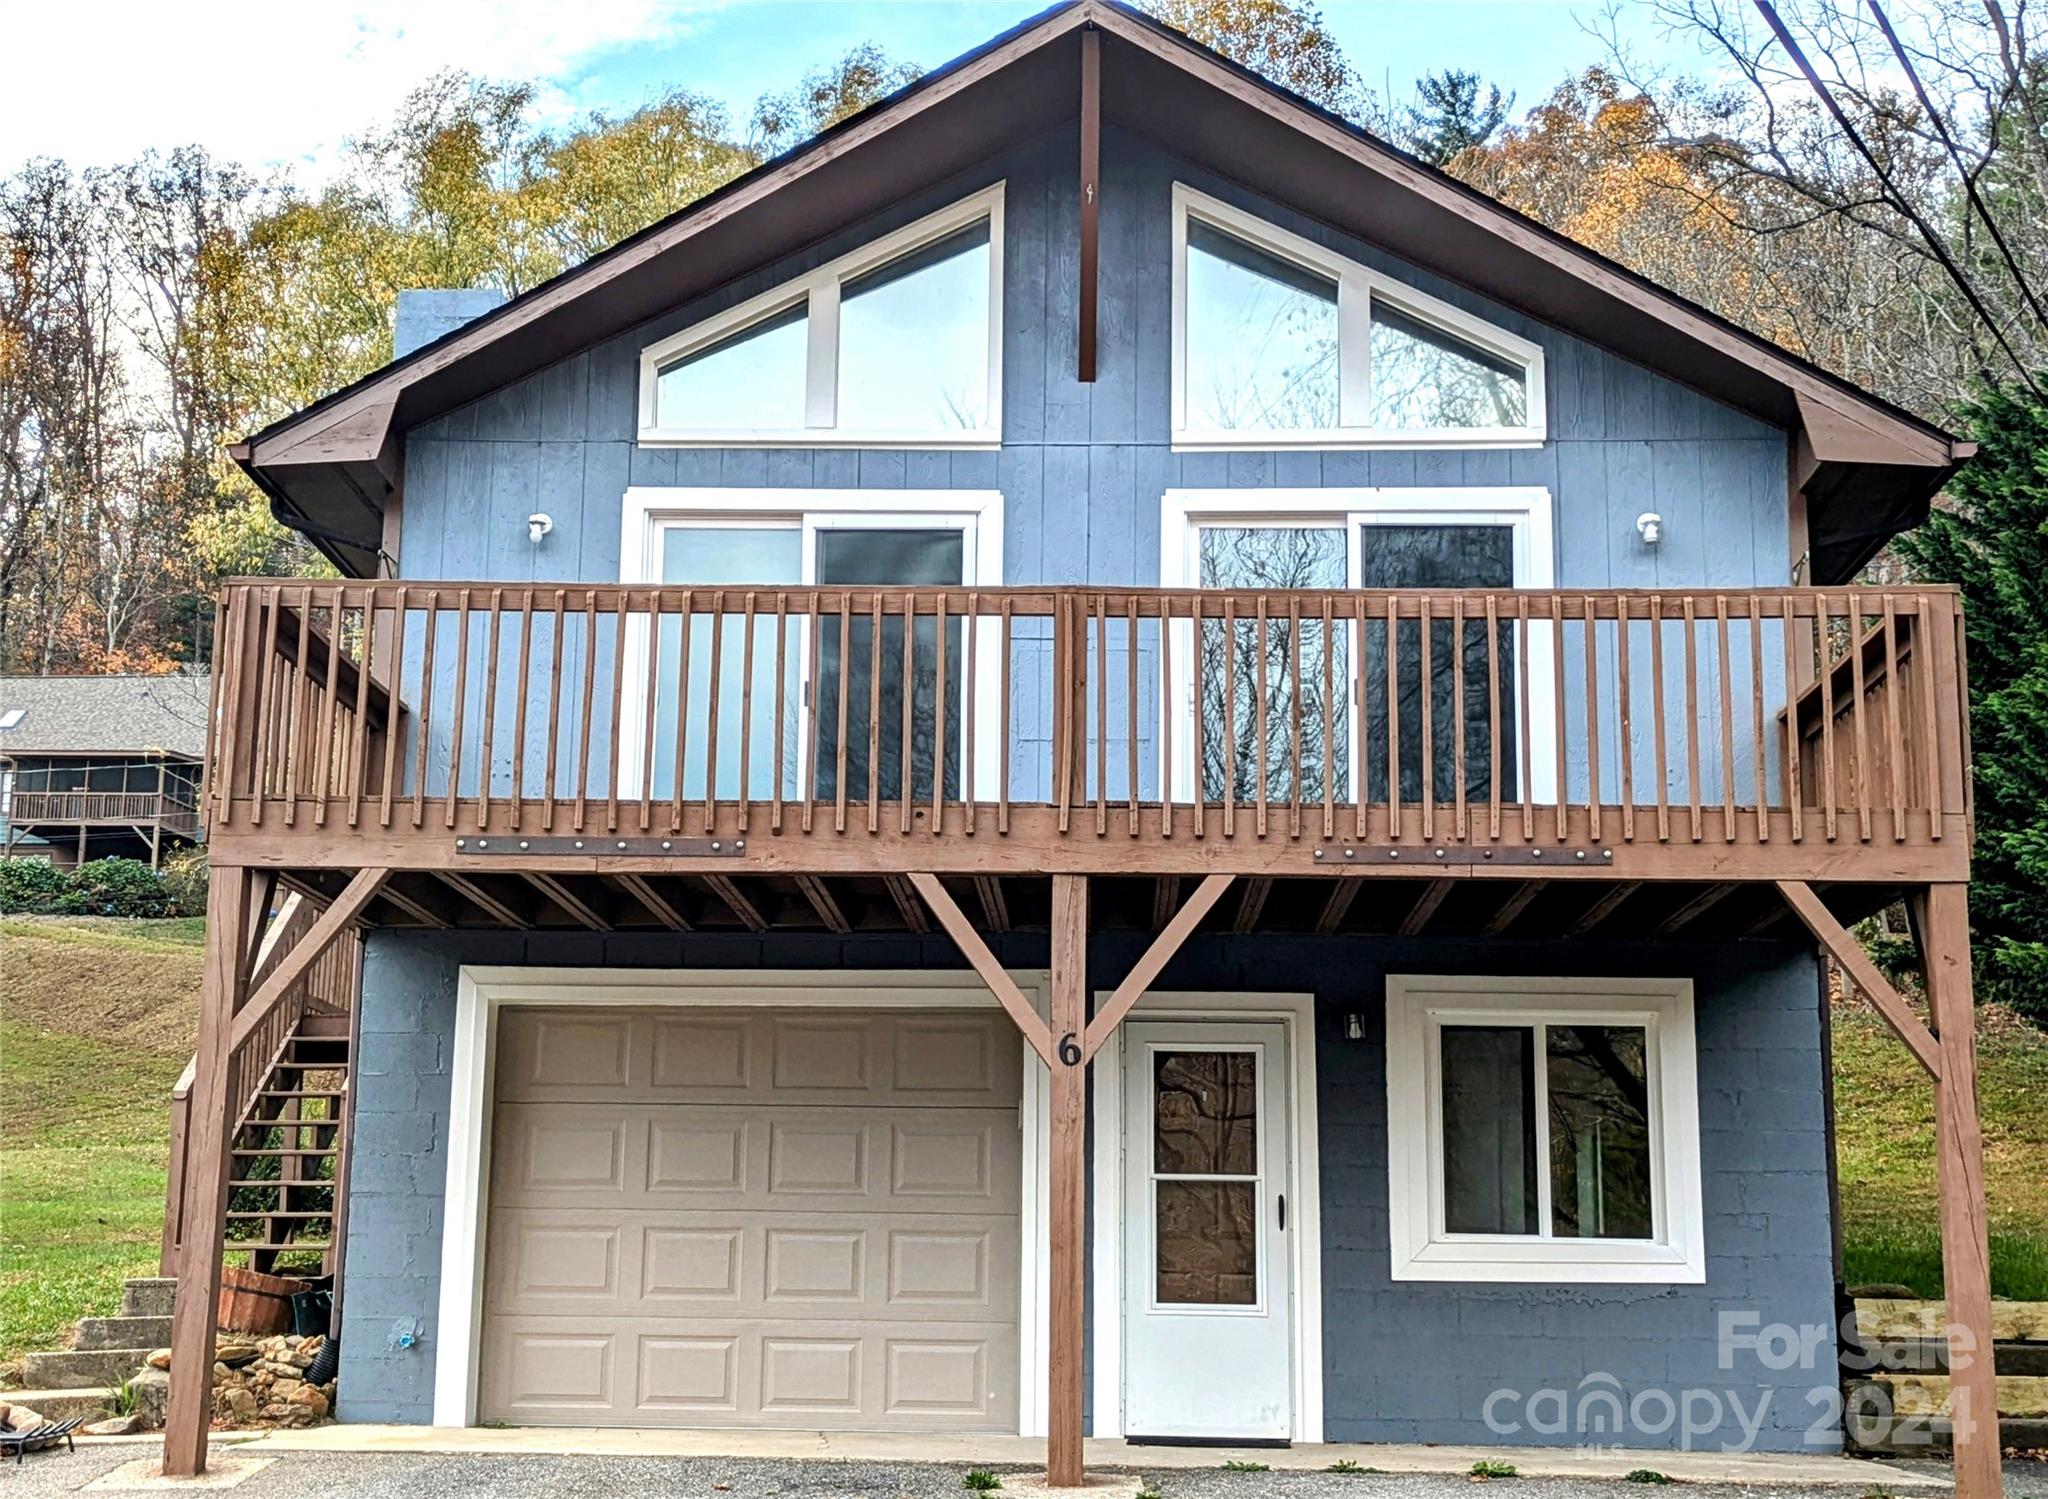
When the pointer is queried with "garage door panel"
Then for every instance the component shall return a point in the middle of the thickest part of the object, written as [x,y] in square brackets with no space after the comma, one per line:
[796,1219]
[911,1058]
[801,1375]
[854,1159]
[766,1263]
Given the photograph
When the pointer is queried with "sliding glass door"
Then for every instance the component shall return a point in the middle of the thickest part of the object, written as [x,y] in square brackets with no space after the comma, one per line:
[1284,692]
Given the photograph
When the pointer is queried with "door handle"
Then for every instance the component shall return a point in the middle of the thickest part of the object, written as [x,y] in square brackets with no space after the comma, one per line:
[1283,1212]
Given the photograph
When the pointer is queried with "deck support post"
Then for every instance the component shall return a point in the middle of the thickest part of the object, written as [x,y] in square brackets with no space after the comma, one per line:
[229,898]
[1941,917]
[1069,1131]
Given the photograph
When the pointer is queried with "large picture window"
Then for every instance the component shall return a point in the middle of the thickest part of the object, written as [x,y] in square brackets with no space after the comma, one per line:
[1543,1130]
[1278,341]
[898,344]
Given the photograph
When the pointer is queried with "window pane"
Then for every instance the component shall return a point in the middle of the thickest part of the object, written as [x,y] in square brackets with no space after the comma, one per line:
[886,557]
[1599,1132]
[739,555]
[1489,1098]
[1205,1242]
[1423,378]
[1236,730]
[1261,339]
[752,381]
[1205,1107]
[913,340]
[1424,557]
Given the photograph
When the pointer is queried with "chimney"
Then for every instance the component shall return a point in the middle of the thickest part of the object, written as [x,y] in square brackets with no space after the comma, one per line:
[424,316]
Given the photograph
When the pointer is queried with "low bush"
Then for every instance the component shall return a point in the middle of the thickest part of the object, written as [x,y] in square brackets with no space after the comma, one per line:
[104,887]
[120,887]
[31,885]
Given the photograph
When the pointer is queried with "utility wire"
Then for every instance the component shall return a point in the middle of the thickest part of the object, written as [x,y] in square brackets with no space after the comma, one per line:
[1955,155]
[1934,241]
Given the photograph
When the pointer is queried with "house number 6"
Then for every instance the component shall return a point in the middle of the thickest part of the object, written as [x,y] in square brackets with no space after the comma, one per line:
[1070,1050]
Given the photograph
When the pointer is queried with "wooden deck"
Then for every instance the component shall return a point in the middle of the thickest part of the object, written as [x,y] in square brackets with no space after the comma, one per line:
[1692,764]
[530,755]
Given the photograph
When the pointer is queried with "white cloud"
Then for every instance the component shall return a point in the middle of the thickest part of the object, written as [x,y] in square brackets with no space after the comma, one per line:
[284,81]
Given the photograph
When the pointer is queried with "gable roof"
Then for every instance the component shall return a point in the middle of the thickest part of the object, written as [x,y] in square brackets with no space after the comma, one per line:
[1866,467]
[116,715]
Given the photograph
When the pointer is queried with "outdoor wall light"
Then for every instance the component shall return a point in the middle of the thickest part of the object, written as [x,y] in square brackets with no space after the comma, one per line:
[538,526]
[1354,1027]
[1650,526]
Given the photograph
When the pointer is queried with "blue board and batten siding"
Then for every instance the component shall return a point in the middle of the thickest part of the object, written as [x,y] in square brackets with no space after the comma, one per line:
[1086,464]
[1402,1362]
[1082,469]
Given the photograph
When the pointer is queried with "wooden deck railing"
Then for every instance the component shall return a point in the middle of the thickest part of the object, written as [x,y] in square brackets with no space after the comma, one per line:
[327,988]
[1512,720]
[174,812]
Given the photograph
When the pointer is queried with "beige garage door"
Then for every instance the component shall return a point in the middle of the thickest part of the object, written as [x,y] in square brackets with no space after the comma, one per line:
[801,1219]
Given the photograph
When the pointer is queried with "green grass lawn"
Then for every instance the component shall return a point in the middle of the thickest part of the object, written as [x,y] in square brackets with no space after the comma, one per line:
[97,1016]
[1884,1127]
[96,1021]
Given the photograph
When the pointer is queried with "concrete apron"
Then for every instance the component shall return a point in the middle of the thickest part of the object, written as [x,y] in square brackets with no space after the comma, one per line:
[829,1446]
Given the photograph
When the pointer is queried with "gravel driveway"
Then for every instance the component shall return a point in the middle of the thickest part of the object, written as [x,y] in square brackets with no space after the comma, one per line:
[340,1475]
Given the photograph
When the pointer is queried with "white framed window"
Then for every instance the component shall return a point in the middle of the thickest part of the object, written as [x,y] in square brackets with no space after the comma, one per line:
[1543,1130]
[1379,538]
[899,344]
[1279,342]
[759,539]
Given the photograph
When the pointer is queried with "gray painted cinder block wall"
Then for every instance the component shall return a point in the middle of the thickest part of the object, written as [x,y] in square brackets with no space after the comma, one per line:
[1408,1362]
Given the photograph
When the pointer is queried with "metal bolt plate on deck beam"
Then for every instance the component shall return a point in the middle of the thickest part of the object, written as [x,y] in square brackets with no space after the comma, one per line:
[594,844]
[1438,856]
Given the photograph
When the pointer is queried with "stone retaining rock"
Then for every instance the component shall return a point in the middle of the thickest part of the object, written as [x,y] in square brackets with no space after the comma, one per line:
[269,1388]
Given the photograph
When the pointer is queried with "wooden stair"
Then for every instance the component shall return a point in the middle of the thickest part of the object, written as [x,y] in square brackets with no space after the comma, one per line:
[286,1167]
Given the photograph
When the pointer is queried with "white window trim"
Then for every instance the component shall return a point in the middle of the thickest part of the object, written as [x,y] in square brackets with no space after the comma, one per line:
[1417,1007]
[1526,510]
[1357,286]
[482,992]
[978,513]
[820,288]
[1304,1196]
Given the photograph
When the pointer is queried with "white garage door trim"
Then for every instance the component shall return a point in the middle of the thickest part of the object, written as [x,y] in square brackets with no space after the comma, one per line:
[481,992]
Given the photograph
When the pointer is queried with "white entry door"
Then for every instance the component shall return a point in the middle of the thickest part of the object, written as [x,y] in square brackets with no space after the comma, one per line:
[1208,1287]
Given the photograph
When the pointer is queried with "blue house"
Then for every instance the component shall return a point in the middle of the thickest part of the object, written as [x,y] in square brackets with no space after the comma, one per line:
[1095,755]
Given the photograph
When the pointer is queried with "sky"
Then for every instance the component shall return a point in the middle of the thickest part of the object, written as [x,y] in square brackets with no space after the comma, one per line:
[273,84]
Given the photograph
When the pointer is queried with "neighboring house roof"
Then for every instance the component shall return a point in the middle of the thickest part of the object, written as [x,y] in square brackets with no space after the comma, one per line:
[117,715]
[1866,467]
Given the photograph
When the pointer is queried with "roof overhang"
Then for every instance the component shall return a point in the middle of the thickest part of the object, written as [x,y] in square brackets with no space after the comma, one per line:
[1868,468]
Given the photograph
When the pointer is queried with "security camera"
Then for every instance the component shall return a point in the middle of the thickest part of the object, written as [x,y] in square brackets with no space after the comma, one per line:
[538,526]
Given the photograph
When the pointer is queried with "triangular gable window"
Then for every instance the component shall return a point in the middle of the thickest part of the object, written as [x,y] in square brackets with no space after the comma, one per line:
[1279,342]
[898,344]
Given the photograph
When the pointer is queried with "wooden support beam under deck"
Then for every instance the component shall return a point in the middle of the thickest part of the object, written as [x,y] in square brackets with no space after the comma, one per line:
[1843,947]
[1941,918]
[1149,967]
[190,1411]
[821,900]
[1433,895]
[291,966]
[659,906]
[1068,1256]
[968,940]
[482,899]
[580,910]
